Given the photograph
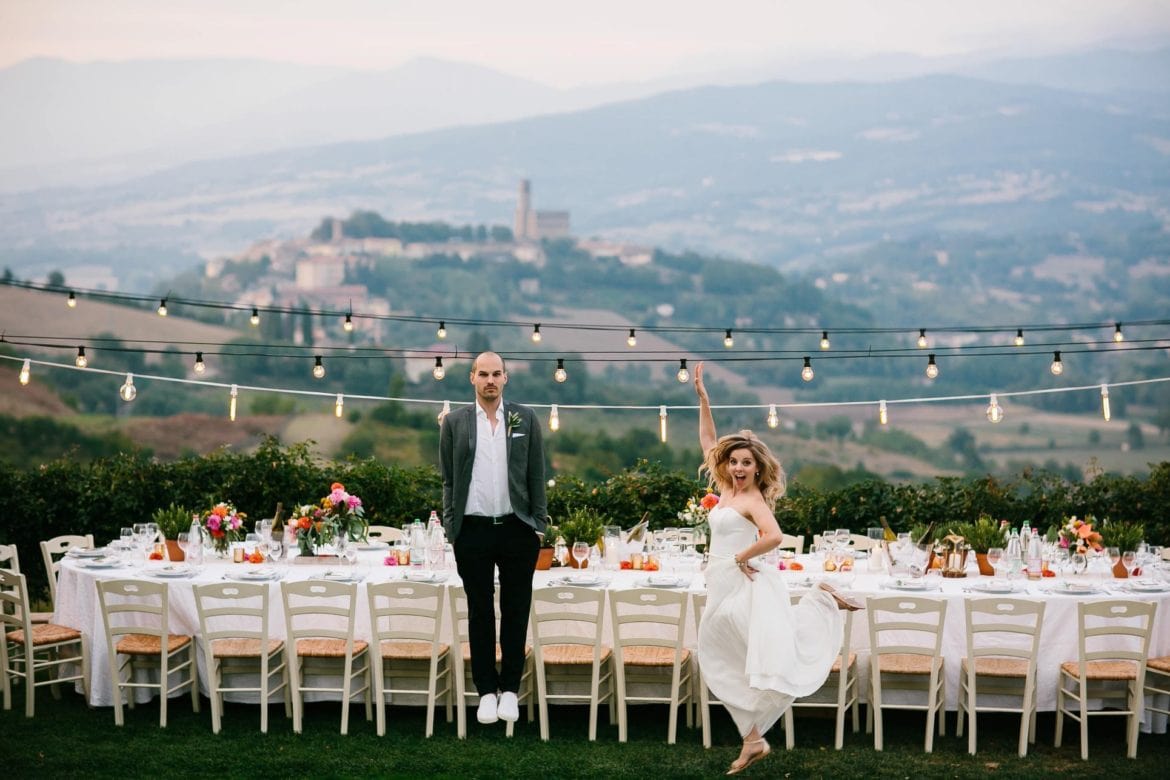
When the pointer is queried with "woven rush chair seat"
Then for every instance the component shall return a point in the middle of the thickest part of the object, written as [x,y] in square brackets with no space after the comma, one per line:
[1160,664]
[45,634]
[465,649]
[640,655]
[1102,670]
[998,667]
[905,663]
[144,644]
[574,655]
[243,648]
[410,651]
[328,648]
[850,660]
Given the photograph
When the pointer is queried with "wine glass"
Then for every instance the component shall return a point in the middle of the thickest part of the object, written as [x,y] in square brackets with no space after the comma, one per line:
[275,550]
[828,539]
[151,532]
[1129,560]
[1114,555]
[349,551]
[184,542]
[842,538]
[580,553]
[994,556]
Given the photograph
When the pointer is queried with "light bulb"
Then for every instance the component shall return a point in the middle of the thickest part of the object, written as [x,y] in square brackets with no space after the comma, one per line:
[1057,367]
[773,417]
[554,419]
[71,301]
[922,338]
[1118,336]
[81,361]
[438,372]
[127,390]
[1019,342]
[232,404]
[728,341]
[348,324]
[560,374]
[536,334]
[1105,411]
[446,410]
[162,308]
[255,318]
[200,367]
[806,373]
[338,406]
[25,371]
[994,410]
[631,340]
[662,423]
[824,339]
[883,415]
[318,368]
[442,331]
[931,367]
[683,375]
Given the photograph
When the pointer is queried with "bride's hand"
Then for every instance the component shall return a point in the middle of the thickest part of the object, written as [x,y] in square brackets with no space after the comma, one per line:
[748,570]
[700,388]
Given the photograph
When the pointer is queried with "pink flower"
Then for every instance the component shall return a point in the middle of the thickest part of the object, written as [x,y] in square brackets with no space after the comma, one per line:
[234,522]
[338,496]
[353,502]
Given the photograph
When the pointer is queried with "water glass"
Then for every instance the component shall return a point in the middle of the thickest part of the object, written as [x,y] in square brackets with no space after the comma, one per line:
[994,556]
[275,550]
[184,542]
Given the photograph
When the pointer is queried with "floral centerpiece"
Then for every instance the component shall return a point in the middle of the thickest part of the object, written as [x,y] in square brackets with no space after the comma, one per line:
[339,513]
[224,524]
[696,512]
[1078,534]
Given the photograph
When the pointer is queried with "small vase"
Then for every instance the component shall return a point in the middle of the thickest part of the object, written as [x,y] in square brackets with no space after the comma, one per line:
[174,552]
[544,559]
[985,568]
[1119,571]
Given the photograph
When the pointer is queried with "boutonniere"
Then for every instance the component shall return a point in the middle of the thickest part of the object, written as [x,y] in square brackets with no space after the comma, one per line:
[513,421]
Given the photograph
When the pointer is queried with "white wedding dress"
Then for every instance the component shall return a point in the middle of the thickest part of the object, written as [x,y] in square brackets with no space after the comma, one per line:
[757,652]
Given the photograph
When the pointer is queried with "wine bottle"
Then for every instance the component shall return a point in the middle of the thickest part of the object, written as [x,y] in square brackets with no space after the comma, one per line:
[890,535]
[639,530]
[278,522]
[926,535]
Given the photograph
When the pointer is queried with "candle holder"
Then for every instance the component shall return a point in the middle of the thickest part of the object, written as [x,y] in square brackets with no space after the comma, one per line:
[954,549]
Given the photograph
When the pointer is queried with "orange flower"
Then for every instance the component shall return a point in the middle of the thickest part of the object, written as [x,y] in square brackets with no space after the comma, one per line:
[336,486]
[303,523]
[709,501]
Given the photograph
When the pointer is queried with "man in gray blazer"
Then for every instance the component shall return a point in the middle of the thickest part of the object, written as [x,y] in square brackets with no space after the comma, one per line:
[491,458]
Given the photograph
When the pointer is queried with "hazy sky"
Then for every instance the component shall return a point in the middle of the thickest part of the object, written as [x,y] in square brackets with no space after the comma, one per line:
[562,43]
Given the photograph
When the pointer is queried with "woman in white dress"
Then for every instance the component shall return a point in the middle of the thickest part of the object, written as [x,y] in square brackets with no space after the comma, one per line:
[756,651]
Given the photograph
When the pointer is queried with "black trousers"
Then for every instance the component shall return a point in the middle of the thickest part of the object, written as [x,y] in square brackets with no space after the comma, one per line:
[482,545]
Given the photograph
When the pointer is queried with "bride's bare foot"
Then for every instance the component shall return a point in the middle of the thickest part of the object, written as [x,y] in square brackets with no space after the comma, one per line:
[753,751]
[843,602]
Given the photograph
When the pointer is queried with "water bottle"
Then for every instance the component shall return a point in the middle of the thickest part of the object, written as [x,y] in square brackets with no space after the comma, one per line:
[1014,554]
[194,550]
[1035,556]
[436,544]
[418,545]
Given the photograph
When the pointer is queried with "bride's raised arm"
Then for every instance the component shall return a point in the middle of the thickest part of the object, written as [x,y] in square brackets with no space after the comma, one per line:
[707,437]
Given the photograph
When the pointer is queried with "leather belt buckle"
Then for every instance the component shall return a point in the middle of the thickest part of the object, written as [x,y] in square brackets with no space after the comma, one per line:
[498,519]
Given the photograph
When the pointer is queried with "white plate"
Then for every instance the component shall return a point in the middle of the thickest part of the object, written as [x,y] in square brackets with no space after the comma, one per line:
[660,581]
[999,588]
[1075,588]
[169,571]
[908,584]
[426,576]
[339,576]
[580,580]
[100,563]
[82,552]
[1140,586]
[251,575]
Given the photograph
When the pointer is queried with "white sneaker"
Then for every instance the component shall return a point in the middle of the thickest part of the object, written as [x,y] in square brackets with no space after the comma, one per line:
[487,709]
[509,709]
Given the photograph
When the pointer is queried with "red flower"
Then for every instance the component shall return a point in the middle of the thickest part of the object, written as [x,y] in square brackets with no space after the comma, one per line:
[709,501]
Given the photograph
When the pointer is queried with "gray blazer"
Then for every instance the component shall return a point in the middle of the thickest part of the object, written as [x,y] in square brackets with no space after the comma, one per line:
[457,440]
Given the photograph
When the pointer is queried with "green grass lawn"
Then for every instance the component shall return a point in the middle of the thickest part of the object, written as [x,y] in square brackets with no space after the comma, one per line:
[66,738]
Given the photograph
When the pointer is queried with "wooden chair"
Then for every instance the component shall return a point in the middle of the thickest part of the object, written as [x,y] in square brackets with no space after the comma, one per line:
[705,699]
[465,692]
[136,617]
[234,633]
[1158,684]
[405,623]
[648,628]
[1111,665]
[10,560]
[28,649]
[897,662]
[53,550]
[319,618]
[1003,644]
[567,648]
[790,542]
[839,693]
[384,533]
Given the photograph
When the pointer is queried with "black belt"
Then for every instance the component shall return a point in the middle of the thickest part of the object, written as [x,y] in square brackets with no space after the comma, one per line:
[493,519]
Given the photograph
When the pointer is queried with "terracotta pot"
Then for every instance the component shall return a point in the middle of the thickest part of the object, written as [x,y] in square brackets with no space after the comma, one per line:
[544,559]
[985,568]
[573,563]
[174,552]
[1119,571]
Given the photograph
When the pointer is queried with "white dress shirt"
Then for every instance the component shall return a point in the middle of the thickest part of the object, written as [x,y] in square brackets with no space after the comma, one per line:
[488,494]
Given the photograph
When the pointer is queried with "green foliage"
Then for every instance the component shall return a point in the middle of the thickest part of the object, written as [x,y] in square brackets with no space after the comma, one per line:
[581,524]
[1122,534]
[38,439]
[982,535]
[172,520]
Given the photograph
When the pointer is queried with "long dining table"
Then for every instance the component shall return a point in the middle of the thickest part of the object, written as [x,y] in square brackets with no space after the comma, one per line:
[78,606]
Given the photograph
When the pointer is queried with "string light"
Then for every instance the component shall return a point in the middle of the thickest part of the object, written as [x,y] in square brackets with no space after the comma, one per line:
[255,318]
[1019,342]
[536,333]
[554,419]
[922,338]
[162,308]
[81,361]
[200,366]
[438,372]
[25,371]
[338,406]
[806,373]
[446,410]
[1057,366]
[232,403]
[127,391]
[773,417]
[662,424]
[348,324]
[931,367]
[683,375]
[883,415]
[442,331]
[994,410]
[1105,412]
[824,339]
[560,374]
[728,341]
[631,340]
[1118,336]
[318,368]
[71,301]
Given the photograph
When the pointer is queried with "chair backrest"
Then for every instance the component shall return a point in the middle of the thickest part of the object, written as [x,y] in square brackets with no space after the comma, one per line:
[1003,627]
[405,611]
[863,543]
[14,613]
[9,558]
[906,624]
[384,533]
[232,610]
[1115,630]
[567,615]
[319,609]
[790,542]
[134,607]
[53,549]
[648,617]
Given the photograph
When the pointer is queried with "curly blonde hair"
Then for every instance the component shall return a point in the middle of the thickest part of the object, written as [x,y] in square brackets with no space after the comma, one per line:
[770,478]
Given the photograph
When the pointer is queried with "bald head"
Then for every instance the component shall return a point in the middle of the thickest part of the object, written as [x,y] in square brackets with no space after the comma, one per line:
[489,376]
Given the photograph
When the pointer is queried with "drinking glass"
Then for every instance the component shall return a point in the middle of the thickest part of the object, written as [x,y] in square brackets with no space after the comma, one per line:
[828,539]
[127,537]
[275,550]
[349,551]
[580,553]
[994,556]
[1129,561]
[184,542]
[152,532]
[1114,555]
[842,538]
